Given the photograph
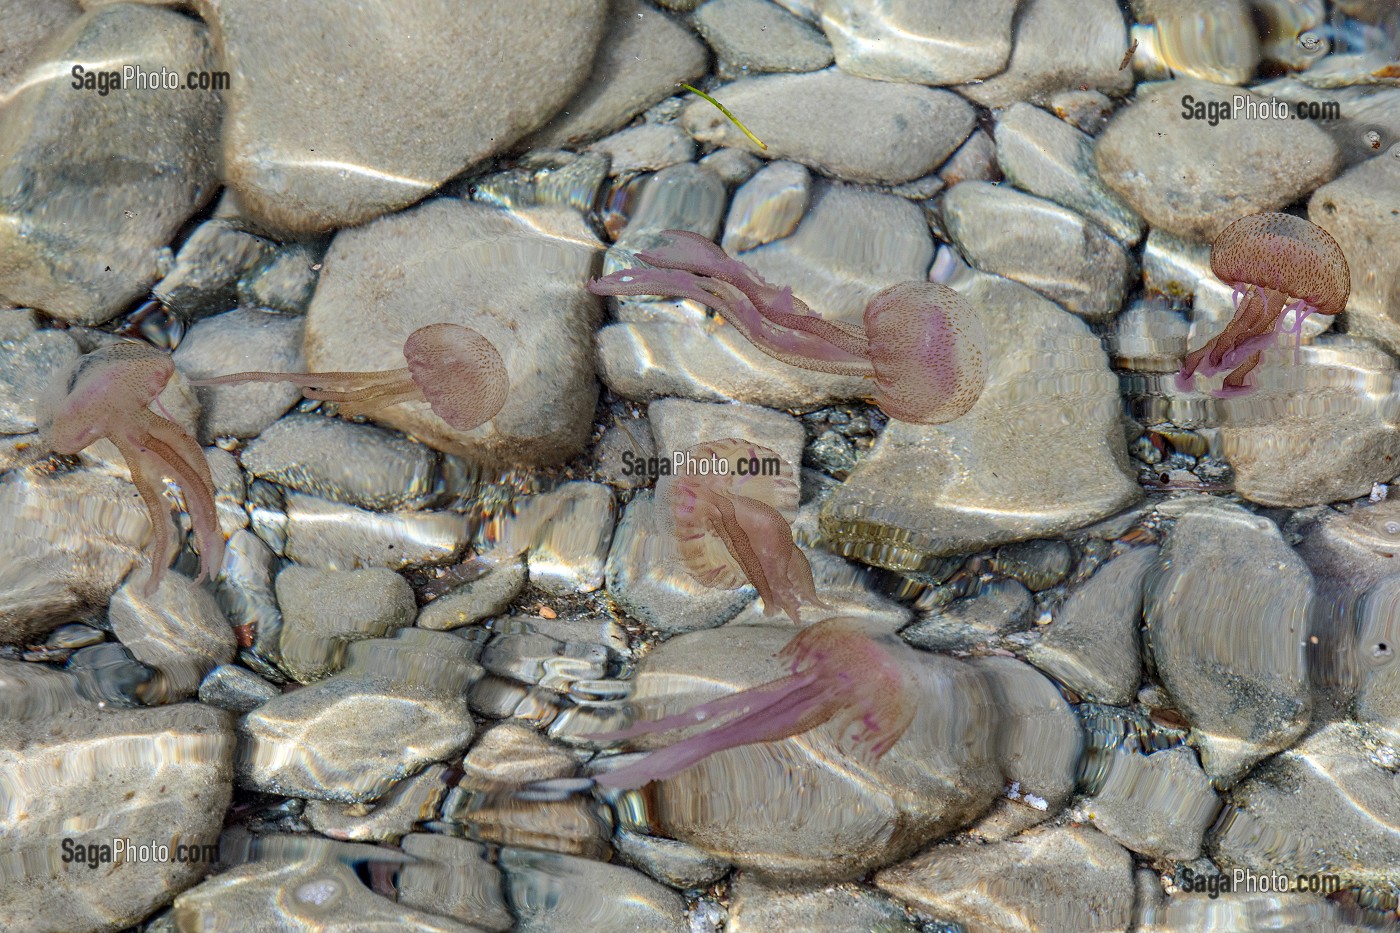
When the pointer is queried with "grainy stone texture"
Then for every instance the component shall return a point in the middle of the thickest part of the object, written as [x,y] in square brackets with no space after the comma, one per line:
[1227,618]
[243,340]
[1158,805]
[28,25]
[420,90]
[645,57]
[826,120]
[1059,253]
[178,630]
[1022,884]
[757,36]
[95,186]
[918,42]
[1151,155]
[323,611]
[931,491]
[514,278]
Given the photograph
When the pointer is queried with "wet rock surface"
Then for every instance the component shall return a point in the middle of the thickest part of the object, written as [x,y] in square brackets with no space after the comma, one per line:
[96,185]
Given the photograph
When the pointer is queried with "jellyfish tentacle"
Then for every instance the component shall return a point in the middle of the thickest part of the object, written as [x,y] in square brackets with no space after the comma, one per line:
[192,471]
[162,524]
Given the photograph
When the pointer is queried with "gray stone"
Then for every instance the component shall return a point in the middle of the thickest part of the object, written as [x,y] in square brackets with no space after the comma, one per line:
[1325,806]
[1038,564]
[285,282]
[396,814]
[646,56]
[975,487]
[1149,337]
[1157,805]
[1151,155]
[561,894]
[1359,210]
[918,42]
[324,611]
[235,688]
[1227,618]
[513,277]
[1059,44]
[568,555]
[95,185]
[758,36]
[1092,645]
[27,366]
[178,630]
[332,536]
[244,340]
[826,119]
[998,608]
[205,277]
[404,112]
[675,863]
[474,601]
[1315,432]
[759,908]
[1038,745]
[1171,39]
[1053,878]
[1059,253]
[768,206]
[399,704]
[155,777]
[645,148]
[29,24]
[453,877]
[1049,158]
[938,776]
[975,160]
[359,464]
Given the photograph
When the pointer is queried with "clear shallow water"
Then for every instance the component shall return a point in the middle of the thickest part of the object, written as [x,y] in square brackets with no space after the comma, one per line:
[1146,633]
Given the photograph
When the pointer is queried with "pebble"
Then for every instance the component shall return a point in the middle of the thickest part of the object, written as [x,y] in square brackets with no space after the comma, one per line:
[926,492]
[393,816]
[625,442]
[28,26]
[998,608]
[285,282]
[242,340]
[1214,40]
[1051,879]
[526,270]
[479,599]
[1038,745]
[643,58]
[1323,806]
[1047,157]
[333,536]
[554,893]
[1059,253]
[204,279]
[152,776]
[107,180]
[825,120]
[1366,113]
[1092,645]
[1151,155]
[548,177]
[398,705]
[1059,44]
[1086,111]
[323,611]
[235,688]
[70,540]
[1149,337]
[1359,210]
[975,160]
[939,776]
[1157,805]
[30,364]
[677,864]
[576,533]
[307,155]
[245,590]
[1038,564]
[178,630]
[767,207]
[756,907]
[759,36]
[1227,620]
[645,148]
[456,878]
[362,465]
[916,42]
[1240,910]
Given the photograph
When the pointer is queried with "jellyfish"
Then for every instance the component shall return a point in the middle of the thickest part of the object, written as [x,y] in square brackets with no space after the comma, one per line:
[456,370]
[921,343]
[108,393]
[722,508]
[838,673]
[1268,258]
